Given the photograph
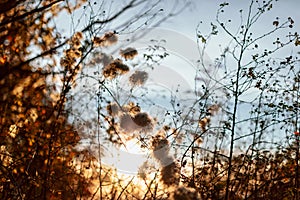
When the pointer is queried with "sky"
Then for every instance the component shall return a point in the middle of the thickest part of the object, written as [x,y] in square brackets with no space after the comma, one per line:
[195,11]
[205,11]
[179,33]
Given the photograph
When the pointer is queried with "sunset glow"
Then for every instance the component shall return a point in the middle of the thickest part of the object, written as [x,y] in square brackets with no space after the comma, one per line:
[128,158]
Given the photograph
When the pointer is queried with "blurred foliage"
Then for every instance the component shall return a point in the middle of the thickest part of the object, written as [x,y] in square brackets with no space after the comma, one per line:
[35,138]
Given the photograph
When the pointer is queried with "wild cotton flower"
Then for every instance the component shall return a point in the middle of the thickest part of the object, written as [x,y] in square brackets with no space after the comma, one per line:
[133,119]
[170,174]
[139,122]
[106,40]
[138,78]
[158,142]
[142,119]
[127,124]
[160,149]
[144,122]
[114,69]
[128,53]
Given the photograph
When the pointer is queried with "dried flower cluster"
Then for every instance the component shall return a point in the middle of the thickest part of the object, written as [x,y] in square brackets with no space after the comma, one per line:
[130,117]
[132,108]
[159,142]
[114,69]
[99,58]
[127,123]
[73,53]
[128,53]
[76,40]
[138,122]
[106,40]
[170,171]
[170,174]
[138,78]
[142,119]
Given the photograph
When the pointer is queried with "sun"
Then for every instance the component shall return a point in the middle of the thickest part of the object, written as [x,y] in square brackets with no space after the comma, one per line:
[128,158]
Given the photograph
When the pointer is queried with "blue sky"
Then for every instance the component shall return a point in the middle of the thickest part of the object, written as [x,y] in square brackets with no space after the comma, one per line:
[185,23]
[205,11]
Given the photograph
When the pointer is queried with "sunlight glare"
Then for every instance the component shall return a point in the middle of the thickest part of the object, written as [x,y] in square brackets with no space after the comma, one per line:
[128,158]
